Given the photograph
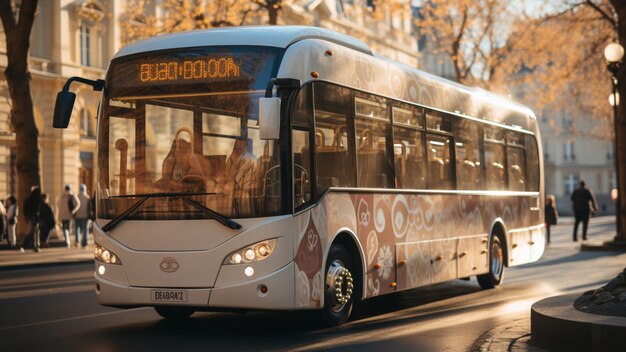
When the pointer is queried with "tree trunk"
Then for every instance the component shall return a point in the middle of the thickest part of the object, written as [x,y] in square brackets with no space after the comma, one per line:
[26,139]
[273,6]
[273,14]
[620,128]
[22,117]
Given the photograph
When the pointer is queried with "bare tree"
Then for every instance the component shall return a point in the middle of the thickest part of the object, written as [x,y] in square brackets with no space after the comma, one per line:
[185,15]
[472,34]
[17,22]
[272,7]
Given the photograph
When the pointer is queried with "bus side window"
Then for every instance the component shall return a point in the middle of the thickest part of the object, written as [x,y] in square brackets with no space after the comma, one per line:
[438,151]
[334,163]
[302,171]
[495,158]
[372,127]
[532,164]
[408,147]
[439,167]
[516,162]
[469,170]
[301,147]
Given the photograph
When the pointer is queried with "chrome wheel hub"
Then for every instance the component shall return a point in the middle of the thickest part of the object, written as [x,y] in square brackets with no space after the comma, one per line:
[497,260]
[339,285]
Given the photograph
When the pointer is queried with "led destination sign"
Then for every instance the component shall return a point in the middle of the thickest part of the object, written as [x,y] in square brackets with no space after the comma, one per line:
[189,70]
[192,71]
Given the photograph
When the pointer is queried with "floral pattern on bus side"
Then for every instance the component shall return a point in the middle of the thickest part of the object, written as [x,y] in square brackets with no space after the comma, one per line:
[309,265]
[392,226]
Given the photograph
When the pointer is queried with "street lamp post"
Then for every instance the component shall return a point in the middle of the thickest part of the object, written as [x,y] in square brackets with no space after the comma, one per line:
[613,53]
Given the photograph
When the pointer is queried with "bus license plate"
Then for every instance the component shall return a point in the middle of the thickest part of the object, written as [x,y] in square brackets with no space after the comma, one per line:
[169,296]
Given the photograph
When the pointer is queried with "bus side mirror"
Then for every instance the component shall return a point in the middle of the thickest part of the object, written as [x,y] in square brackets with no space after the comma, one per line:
[269,118]
[65,100]
[63,109]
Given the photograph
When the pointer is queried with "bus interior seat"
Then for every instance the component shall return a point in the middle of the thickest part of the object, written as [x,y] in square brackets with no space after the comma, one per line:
[372,163]
[333,157]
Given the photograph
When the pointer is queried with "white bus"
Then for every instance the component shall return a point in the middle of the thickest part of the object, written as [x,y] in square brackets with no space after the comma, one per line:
[288,168]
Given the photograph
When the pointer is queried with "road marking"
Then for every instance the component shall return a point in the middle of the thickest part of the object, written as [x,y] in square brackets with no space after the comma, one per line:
[46,291]
[71,319]
[45,284]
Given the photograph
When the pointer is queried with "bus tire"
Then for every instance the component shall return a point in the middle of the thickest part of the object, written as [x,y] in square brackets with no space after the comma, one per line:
[338,286]
[496,265]
[174,313]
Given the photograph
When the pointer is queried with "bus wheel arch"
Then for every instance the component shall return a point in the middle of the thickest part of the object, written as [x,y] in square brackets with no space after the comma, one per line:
[498,229]
[349,241]
[497,258]
[342,280]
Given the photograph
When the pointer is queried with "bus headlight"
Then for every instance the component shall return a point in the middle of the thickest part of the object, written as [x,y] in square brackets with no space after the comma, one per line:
[252,253]
[104,255]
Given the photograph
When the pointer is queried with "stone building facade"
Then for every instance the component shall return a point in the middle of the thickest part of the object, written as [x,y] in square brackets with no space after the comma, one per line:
[78,38]
[576,149]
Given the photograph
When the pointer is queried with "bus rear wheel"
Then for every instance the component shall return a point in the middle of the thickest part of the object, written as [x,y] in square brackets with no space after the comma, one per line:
[338,286]
[174,313]
[496,265]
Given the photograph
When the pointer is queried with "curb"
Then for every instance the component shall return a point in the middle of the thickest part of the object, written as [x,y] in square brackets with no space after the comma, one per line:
[557,325]
[514,337]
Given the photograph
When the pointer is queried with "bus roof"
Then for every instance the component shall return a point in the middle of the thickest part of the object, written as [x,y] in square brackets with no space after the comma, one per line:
[273,36]
[352,64]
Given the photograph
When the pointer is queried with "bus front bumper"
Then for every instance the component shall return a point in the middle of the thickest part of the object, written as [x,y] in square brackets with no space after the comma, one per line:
[274,291]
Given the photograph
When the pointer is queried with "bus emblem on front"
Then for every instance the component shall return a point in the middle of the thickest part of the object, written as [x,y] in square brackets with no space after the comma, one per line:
[169,264]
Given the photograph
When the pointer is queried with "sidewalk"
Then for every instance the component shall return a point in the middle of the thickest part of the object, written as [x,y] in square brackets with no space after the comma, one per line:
[56,253]
[515,336]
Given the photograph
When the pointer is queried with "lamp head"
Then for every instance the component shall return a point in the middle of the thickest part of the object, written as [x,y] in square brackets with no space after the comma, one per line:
[613,52]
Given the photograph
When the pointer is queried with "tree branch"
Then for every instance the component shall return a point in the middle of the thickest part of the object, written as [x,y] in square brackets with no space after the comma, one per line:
[8,20]
[27,17]
[602,13]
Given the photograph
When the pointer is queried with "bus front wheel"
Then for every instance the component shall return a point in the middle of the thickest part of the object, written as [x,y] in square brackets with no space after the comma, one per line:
[496,265]
[174,313]
[339,286]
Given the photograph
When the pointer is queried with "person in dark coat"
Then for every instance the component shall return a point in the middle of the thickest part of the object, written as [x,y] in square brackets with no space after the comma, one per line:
[551,214]
[46,220]
[31,212]
[584,202]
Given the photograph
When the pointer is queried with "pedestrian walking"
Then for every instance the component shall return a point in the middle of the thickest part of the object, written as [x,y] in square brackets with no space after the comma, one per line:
[82,216]
[584,203]
[551,215]
[31,213]
[46,220]
[67,206]
[12,211]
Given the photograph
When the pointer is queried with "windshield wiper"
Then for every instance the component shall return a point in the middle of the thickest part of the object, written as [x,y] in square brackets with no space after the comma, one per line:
[212,213]
[163,194]
[144,197]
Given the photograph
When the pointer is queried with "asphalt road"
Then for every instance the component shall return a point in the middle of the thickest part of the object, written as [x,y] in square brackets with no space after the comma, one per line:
[55,309]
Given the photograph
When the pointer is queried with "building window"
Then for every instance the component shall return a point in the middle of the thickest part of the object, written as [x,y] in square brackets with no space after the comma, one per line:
[612,181]
[571,182]
[609,152]
[85,46]
[567,121]
[568,151]
[86,124]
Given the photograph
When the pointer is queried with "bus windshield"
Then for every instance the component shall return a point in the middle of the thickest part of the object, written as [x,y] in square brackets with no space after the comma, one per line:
[186,122]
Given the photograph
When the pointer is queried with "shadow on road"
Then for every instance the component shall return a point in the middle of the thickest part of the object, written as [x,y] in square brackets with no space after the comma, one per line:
[300,330]
[580,256]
